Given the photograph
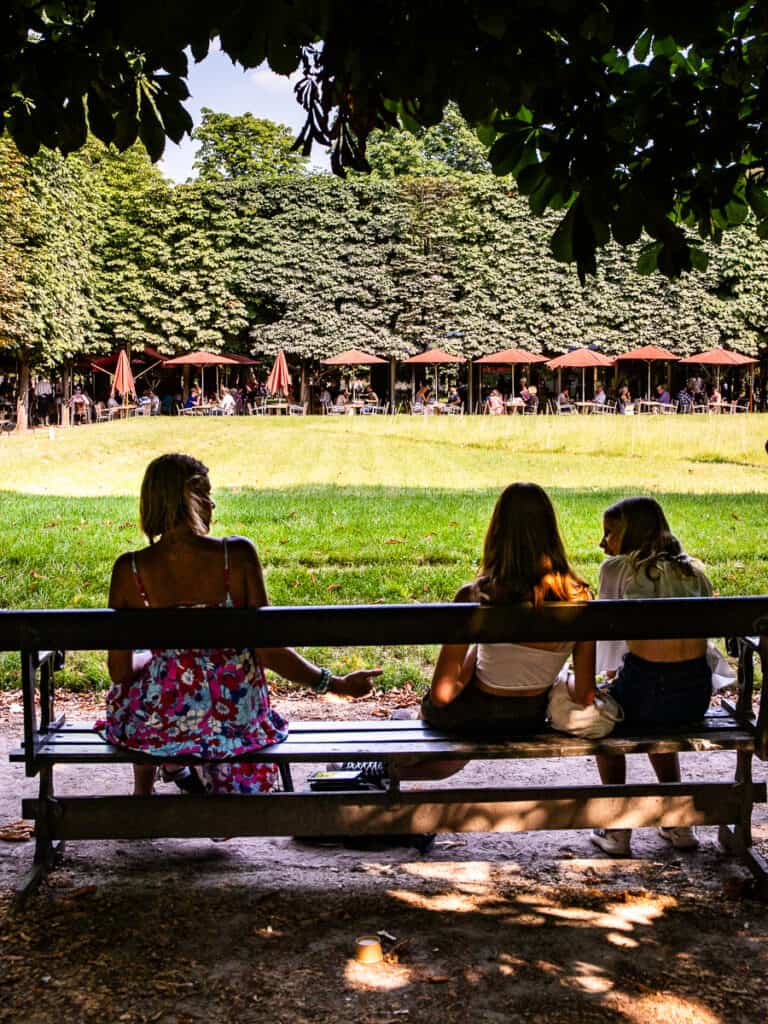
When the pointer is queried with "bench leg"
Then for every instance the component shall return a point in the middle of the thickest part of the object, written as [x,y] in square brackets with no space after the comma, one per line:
[285,776]
[738,839]
[48,852]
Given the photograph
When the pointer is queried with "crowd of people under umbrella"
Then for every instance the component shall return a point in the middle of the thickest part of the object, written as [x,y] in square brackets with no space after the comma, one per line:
[520,382]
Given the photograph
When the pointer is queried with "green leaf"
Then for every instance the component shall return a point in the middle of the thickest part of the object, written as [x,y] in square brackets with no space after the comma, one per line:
[648,260]
[664,47]
[699,258]
[531,178]
[757,197]
[642,47]
[561,243]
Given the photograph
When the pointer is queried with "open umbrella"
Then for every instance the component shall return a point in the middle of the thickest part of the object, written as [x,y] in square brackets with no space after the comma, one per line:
[122,381]
[510,357]
[279,380]
[201,360]
[718,357]
[432,357]
[648,354]
[353,357]
[580,358]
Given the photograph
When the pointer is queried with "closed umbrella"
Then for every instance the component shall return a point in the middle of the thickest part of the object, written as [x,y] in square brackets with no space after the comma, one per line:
[279,380]
[648,354]
[433,357]
[123,381]
[580,358]
[510,357]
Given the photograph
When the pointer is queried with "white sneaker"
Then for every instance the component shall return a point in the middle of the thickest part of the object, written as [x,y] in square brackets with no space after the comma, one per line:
[613,841]
[682,838]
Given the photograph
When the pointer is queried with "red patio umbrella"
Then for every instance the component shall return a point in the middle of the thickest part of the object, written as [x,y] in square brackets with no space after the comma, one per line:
[510,357]
[201,360]
[722,357]
[432,357]
[353,357]
[123,381]
[279,380]
[649,354]
[580,358]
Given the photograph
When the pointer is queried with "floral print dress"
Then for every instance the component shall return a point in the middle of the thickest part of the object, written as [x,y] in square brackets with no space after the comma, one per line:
[210,703]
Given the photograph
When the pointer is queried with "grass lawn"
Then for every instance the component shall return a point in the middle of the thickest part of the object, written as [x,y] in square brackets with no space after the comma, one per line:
[356,510]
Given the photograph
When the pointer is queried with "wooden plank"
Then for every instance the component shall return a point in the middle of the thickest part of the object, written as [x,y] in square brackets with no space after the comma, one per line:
[473,810]
[362,625]
[286,752]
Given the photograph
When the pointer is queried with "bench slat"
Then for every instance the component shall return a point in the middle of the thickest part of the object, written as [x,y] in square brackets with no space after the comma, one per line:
[462,810]
[93,750]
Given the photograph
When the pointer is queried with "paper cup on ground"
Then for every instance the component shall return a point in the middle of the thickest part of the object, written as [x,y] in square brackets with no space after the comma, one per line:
[368,950]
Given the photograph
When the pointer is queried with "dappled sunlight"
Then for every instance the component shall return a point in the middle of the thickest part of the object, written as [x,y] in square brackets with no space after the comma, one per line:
[671,1009]
[381,977]
[700,454]
[462,873]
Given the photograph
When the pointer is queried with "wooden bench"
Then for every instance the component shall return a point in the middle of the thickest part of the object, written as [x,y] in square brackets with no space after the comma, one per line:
[50,741]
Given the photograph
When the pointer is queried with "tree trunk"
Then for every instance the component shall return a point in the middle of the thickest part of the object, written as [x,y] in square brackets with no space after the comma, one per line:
[66,389]
[22,398]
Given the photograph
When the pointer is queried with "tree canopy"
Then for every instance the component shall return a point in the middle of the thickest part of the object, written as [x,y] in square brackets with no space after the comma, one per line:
[236,145]
[637,122]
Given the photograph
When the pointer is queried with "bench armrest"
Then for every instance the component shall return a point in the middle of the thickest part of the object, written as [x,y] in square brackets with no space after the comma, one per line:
[38,667]
[761,725]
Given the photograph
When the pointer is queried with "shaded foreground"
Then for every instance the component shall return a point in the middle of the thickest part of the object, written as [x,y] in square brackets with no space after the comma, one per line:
[482,928]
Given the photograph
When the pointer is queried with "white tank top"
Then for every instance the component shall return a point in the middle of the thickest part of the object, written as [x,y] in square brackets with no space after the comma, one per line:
[509,668]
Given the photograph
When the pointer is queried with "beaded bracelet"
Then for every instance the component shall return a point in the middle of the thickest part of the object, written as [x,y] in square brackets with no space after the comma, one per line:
[323,684]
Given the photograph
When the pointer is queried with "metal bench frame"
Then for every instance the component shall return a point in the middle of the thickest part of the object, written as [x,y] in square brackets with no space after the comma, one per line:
[49,741]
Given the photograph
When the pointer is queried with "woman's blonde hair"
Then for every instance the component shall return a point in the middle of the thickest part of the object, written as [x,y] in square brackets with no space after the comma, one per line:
[174,491]
[646,537]
[523,555]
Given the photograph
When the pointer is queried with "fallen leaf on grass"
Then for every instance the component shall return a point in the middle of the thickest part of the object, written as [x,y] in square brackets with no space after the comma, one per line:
[333,586]
[393,540]
[17,831]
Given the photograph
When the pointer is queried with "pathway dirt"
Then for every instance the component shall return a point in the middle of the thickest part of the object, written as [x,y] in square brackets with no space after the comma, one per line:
[483,928]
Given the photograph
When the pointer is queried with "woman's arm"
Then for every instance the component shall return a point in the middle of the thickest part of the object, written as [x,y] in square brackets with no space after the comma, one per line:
[284,660]
[454,669]
[455,664]
[123,666]
[582,688]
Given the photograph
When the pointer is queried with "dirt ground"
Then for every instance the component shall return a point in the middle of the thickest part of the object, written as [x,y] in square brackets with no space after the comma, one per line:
[483,928]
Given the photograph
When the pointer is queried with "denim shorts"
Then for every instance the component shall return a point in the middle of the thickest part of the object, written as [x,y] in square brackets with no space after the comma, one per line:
[477,713]
[662,692]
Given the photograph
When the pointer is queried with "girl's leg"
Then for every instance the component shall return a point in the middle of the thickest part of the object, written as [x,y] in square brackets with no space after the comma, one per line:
[143,779]
[613,841]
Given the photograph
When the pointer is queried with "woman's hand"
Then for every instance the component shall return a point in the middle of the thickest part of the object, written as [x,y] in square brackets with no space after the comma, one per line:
[355,684]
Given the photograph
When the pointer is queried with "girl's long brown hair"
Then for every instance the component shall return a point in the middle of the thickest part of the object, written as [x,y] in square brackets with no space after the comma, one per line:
[523,554]
[646,537]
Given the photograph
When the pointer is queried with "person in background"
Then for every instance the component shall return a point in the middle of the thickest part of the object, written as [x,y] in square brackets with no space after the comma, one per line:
[600,395]
[193,398]
[685,398]
[227,403]
[625,400]
[454,398]
[369,395]
[662,395]
[209,704]
[656,682]
[564,401]
[495,403]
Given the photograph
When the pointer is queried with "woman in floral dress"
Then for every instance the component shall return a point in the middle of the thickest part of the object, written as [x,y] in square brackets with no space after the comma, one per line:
[208,703]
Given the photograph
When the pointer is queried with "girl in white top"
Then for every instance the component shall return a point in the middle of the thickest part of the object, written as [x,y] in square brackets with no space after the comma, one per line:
[503,688]
[657,682]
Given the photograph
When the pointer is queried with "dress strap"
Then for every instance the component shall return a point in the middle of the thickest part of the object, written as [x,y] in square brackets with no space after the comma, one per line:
[227,584]
[139,581]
